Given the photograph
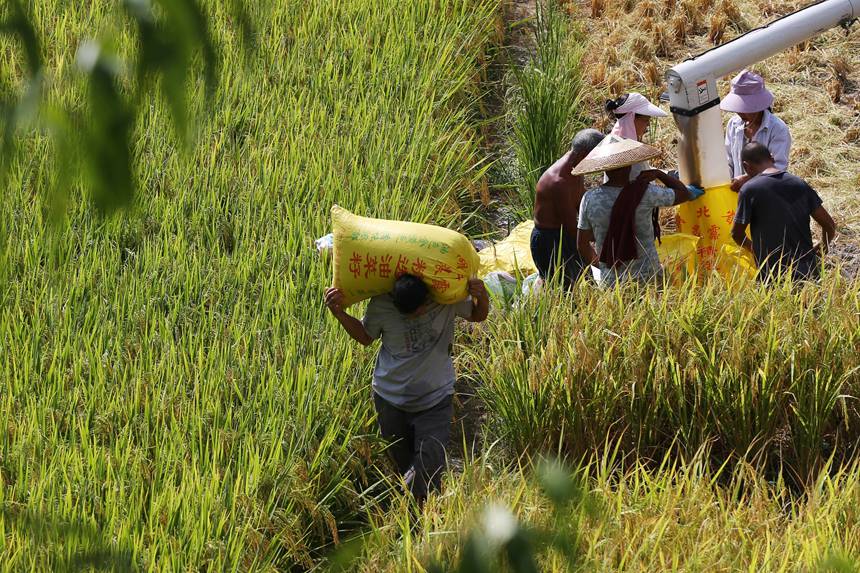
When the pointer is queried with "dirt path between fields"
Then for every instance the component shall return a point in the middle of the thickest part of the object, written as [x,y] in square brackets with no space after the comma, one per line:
[517,47]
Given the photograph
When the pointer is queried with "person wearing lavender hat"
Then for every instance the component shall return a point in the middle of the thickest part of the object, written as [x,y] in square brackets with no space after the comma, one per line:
[751,101]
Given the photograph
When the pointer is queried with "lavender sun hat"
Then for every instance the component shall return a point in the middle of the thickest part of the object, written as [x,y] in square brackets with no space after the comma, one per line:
[748,94]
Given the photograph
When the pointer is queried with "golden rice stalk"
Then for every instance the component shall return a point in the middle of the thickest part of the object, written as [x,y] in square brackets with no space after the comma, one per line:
[840,67]
[611,56]
[678,26]
[642,48]
[770,9]
[694,14]
[597,8]
[597,74]
[732,13]
[834,89]
[647,9]
[652,74]
[616,81]
[718,28]
[647,24]
[662,42]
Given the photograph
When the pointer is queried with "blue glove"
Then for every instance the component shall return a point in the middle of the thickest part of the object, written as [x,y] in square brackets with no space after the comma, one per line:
[695,192]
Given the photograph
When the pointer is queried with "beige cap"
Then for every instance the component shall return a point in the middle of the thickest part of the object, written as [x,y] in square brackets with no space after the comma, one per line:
[613,153]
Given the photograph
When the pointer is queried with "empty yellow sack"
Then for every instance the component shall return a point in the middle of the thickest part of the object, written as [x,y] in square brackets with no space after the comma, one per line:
[513,255]
[370,253]
[735,262]
[677,254]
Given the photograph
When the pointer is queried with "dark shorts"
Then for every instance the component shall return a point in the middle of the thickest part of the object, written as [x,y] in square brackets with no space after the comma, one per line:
[418,441]
[549,247]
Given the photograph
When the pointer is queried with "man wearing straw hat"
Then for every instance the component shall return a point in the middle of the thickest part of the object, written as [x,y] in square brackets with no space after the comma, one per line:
[616,230]
[751,101]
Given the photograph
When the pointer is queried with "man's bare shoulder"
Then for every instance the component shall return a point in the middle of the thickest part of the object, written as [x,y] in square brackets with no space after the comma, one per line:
[550,180]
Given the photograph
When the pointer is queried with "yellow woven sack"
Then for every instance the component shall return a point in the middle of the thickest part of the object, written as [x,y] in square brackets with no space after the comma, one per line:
[711,218]
[677,254]
[513,255]
[370,253]
[737,263]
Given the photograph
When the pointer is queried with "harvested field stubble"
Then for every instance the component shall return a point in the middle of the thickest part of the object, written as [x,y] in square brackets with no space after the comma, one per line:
[817,85]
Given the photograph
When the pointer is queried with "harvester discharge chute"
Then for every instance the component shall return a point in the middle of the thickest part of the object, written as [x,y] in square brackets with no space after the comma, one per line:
[694,101]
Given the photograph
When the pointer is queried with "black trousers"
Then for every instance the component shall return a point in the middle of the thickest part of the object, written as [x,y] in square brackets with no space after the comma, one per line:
[418,441]
[551,246]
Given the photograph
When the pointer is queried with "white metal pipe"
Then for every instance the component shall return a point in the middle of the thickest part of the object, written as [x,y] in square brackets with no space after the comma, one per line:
[692,84]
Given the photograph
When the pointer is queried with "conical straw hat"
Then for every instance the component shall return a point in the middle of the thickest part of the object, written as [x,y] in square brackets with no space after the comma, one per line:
[613,153]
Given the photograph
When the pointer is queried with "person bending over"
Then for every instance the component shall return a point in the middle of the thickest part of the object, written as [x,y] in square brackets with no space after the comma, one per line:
[556,211]
[413,380]
[777,206]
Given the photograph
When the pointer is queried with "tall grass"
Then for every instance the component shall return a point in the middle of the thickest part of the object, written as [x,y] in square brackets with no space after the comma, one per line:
[546,100]
[659,516]
[765,374]
[170,381]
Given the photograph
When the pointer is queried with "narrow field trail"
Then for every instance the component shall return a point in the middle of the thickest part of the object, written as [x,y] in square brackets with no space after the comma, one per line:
[517,46]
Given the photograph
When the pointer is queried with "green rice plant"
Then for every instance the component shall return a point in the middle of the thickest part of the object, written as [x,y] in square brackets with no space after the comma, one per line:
[170,380]
[545,105]
[673,370]
[651,515]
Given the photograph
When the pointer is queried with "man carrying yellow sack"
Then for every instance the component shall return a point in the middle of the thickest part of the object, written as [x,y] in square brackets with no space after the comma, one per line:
[413,380]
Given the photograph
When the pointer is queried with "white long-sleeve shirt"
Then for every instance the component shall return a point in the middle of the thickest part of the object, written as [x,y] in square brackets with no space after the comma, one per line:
[773,133]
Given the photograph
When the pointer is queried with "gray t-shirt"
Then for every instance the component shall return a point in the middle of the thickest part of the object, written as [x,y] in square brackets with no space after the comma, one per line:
[414,370]
[594,213]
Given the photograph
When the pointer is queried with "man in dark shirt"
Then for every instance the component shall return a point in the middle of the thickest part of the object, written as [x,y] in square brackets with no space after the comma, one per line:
[556,211]
[777,206]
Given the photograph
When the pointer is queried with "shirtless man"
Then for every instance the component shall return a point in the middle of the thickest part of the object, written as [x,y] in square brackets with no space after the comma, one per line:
[556,211]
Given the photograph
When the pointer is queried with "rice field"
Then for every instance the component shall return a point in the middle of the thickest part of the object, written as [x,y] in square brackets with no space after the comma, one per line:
[174,395]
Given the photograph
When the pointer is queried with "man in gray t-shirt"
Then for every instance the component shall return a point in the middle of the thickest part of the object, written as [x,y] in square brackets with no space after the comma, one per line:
[413,380]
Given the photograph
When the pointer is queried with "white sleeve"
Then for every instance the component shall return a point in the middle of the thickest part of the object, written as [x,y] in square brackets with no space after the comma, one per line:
[730,133]
[780,144]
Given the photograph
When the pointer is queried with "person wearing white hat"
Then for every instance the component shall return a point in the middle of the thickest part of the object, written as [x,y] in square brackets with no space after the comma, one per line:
[633,113]
[616,227]
[750,100]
